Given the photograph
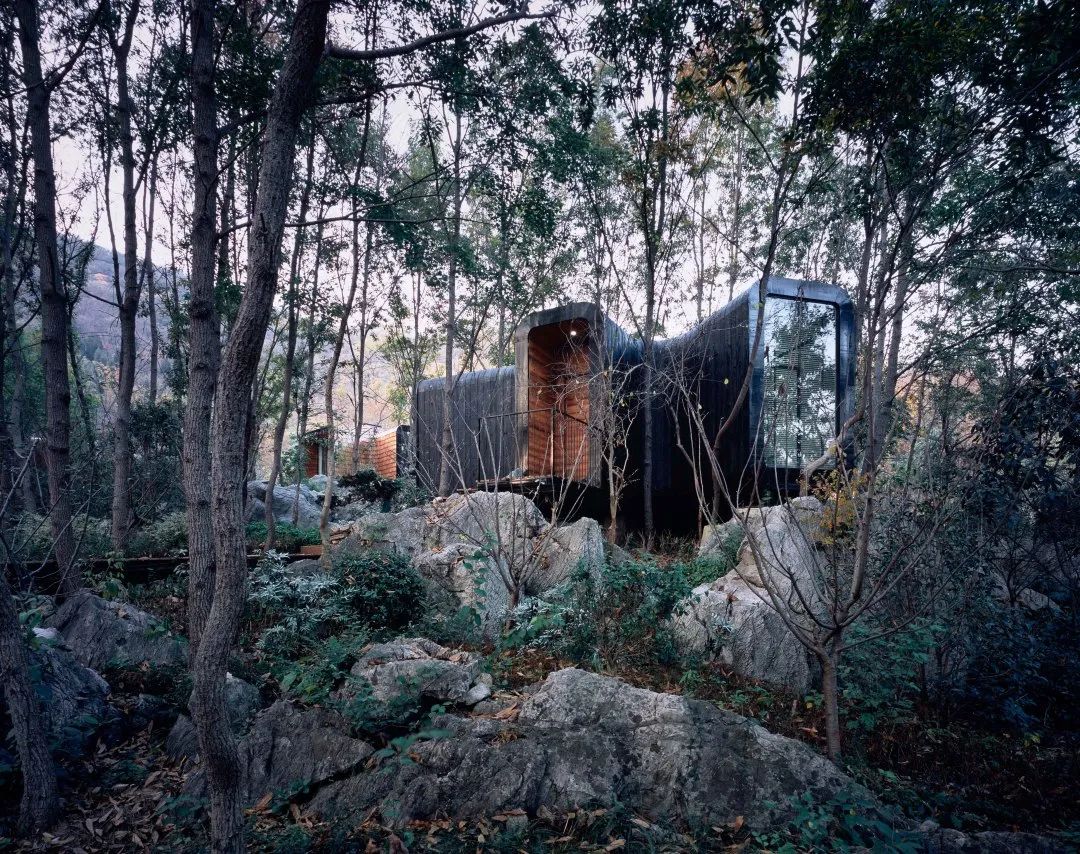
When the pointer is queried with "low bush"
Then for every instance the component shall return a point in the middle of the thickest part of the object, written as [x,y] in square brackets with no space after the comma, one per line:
[310,626]
[165,537]
[287,538]
[622,620]
[391,493]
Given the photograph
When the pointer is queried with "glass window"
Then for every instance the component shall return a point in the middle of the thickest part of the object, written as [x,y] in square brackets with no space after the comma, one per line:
[799,406]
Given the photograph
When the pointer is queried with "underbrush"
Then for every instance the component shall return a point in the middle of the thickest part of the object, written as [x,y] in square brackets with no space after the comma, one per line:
[287,538]
[306,628]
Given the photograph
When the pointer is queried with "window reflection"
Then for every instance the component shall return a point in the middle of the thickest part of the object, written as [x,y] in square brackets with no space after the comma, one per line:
[799,411]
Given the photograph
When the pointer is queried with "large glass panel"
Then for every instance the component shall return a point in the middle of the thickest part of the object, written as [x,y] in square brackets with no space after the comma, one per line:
[799,411]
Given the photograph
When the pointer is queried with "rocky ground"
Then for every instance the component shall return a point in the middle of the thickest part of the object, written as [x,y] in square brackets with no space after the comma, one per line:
[420,745]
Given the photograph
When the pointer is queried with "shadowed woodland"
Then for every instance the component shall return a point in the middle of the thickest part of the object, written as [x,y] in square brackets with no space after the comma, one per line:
[642,425]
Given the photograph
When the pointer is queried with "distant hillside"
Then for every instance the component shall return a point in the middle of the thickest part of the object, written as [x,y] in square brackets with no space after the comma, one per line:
[96,321]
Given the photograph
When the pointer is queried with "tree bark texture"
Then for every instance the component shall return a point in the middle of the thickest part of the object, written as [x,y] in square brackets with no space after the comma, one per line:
[204,331]
[129,305]
[239,365]
[39,807]
[54,301]
[293,310]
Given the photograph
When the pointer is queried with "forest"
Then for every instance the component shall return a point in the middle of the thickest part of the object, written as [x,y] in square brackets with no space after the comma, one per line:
[488,425]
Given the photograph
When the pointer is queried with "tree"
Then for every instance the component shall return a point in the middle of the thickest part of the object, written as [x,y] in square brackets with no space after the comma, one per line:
[204,330]
[54,301]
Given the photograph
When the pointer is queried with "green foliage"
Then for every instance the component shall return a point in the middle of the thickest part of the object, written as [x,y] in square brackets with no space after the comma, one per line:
[368,485]
[391,493]
[164,537]
[31,537]
[382,586]
[312,625]
[879,678]
[621,619]
[287,538]
[846,821]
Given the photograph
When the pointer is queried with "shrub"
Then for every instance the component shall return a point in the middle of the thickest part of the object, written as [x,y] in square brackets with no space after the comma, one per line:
[622,620]
[31,537]
[310,626]
[165,537]
[382,586]
[287,538]
[369,485]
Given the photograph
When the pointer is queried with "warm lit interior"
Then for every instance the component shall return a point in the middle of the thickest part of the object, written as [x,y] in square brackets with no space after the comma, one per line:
[559,400]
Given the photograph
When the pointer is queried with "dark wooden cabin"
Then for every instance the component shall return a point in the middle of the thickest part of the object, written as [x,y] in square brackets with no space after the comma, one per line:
[538,425]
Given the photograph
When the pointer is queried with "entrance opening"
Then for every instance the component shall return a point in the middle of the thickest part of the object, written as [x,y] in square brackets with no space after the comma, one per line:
[558,412]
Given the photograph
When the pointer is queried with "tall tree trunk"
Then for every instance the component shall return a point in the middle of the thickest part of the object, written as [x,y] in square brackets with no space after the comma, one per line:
[293,309]
[309,373]
[335,357]
[204,331]
[151,285]
[448,453]
[54,313]
[239,364]
[129,305]
[39,807]
[12,444]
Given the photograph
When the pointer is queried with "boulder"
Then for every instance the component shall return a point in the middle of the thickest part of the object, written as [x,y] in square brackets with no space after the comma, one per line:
[565,548]
[242,701]
[290,749]
[404,532]
[350,511]
[467,548]
[102,633]
[74,699]
[420,669]
[587,740]
[733,616]
[949,841]
[505,520]
[462,575]
[309,505]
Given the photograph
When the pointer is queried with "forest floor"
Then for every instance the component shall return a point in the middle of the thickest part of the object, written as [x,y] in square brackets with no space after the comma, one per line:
[128,797]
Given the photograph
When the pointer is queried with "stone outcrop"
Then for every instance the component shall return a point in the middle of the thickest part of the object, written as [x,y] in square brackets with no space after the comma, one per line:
[75,703]
[473,550]
[733,617]
[101,633]
[580,544]
[290,749]
[420,669]
[577,739]
[241,701]
[309,505]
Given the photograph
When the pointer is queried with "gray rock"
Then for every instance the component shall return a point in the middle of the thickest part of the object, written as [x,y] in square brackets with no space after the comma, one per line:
[462,575]
[290,749]
[101,633]
[305,568]
[734,618]
[728,618]
[309,505]
[565,548]
[352,510]
[242,701]
[471,549]
[584,739]
[418,668]
[75,699]
[503,520]
[404,532]
[477,694]
[945,841]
